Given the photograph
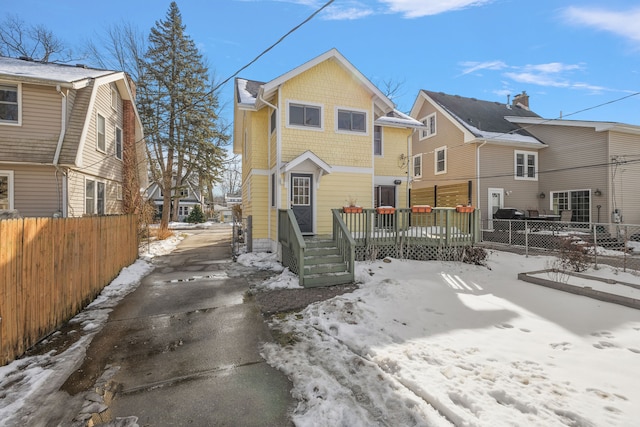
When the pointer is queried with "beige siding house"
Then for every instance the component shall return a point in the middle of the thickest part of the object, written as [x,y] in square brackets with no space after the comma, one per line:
[66,133]
[314,139]
[495,155]
[469,154]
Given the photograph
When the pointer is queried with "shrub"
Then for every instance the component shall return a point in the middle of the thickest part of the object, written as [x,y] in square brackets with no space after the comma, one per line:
[196,216]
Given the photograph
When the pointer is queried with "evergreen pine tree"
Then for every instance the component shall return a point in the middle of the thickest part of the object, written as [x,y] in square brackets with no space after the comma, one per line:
[196,216]
[178,108]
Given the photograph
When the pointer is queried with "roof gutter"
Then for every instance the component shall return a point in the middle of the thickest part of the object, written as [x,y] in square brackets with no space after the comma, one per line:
[478,177]
[276,187]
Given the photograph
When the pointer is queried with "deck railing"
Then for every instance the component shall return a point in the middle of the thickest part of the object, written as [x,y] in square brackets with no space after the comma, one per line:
[409,234]
[292,243]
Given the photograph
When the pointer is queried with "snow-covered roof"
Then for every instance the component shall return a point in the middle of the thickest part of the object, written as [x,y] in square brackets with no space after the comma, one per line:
[47,72]
[398,119]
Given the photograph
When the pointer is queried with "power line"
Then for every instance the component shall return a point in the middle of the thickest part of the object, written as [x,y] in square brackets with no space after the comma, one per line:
[212,91]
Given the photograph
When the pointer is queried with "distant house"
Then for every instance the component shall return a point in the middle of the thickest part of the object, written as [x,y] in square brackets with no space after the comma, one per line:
[66,133]
[187,198]
[493,155]
[317,138]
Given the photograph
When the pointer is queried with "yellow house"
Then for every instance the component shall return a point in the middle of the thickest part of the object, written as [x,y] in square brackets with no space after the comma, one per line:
[318,137]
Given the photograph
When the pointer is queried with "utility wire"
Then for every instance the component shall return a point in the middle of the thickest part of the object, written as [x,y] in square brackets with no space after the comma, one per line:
[212,91]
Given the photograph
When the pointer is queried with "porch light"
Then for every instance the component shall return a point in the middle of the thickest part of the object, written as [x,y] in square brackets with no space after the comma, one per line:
[597,192]
[542,195]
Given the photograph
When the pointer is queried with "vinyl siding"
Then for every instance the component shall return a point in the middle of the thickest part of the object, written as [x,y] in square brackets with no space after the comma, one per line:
[497,165]
[96,162]
[333,194]
[36,139]
[394,144]
[37,189]
[624,178]
[460,157]
[575,159]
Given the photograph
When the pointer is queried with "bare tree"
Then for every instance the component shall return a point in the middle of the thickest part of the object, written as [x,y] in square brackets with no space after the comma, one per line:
[121,48]
[18,39]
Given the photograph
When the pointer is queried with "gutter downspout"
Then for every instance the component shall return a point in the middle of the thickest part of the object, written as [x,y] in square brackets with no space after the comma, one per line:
[478,147]
[56,157]
[277,186]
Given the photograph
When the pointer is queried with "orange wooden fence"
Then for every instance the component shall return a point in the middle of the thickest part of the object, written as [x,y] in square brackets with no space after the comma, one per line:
[51,268]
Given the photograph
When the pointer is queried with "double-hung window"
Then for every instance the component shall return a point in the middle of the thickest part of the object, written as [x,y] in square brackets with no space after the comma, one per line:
[101,134]
[9,104]
[430,123]
[440,160]
[305,115]
[118,143]
[94,197]
[352,121]
[526,165]
[417,166]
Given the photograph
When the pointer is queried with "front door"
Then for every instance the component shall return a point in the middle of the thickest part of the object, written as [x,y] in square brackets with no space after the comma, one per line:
[302,201]
[496,201]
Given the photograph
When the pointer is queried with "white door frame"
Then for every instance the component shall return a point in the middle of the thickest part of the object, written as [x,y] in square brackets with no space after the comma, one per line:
[490,204]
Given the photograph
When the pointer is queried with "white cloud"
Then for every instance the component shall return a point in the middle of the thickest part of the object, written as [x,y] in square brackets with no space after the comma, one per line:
[346,13]
[540,79]
[473,66]
[624,23]
[419,8]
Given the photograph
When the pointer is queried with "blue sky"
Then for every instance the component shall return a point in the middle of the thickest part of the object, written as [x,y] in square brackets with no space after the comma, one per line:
[568,56]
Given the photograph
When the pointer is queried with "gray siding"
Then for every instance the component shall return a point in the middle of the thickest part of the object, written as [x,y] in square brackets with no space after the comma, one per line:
[624,179]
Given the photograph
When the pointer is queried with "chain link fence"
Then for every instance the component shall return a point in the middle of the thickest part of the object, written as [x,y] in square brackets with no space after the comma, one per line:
[617,245]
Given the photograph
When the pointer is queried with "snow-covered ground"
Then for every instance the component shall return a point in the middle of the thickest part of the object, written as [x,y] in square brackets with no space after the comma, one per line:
[442,343]
[420,343]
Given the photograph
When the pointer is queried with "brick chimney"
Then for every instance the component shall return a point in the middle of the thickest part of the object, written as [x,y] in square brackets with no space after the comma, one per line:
[521,100]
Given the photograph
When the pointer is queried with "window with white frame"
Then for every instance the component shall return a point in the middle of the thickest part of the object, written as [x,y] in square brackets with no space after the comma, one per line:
[9,104]
[118,143]
[114,98]
[417,166]
[352,121]
[430,123]
[273,190]
[183,210]
[6,189]
[576,201]
[101,134]
[526,165]
[305,115]
[118,191]
[94,197]
[440,160]
[377,140]
[183,193]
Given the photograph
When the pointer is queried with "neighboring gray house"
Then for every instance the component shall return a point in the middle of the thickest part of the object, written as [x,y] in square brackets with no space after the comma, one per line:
[64,134]
[495,155]
[187,198]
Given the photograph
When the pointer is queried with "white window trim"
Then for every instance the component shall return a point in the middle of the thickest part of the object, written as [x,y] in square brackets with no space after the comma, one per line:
[413,166]
[114,98]
[119,192]
[515,165]
[95,195]
[425,134]
[337,109]
[19,122]
[102,150]
[9,175]
[305,104]
[115,143]
[435,160]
